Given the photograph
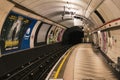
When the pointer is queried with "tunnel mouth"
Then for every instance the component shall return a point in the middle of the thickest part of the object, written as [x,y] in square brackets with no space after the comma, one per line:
[75,37]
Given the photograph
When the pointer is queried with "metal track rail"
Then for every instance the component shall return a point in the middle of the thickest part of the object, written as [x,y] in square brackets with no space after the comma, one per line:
[38,68]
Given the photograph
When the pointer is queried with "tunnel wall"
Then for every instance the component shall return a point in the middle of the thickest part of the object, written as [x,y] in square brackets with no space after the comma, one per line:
[106,34]
[105,12]
[26,35]
[107,37]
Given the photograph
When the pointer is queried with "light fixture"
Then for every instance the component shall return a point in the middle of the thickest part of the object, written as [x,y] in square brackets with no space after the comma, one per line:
[68,12]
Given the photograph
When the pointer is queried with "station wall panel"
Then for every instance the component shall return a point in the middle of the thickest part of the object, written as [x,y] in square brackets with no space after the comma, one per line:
[109,42]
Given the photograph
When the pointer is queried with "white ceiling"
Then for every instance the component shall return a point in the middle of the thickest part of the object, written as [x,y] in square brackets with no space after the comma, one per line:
[53,9]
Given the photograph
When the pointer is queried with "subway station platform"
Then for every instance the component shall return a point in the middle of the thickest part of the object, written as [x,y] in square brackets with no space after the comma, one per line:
[82,62]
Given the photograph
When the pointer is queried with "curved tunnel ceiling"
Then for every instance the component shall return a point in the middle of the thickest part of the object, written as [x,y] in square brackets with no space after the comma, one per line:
[54,9]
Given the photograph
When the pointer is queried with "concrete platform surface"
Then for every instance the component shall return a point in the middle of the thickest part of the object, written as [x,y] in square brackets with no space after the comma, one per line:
[85,64]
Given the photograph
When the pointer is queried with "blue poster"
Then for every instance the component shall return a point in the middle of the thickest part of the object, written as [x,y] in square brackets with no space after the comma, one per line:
[26,39]
[15,27]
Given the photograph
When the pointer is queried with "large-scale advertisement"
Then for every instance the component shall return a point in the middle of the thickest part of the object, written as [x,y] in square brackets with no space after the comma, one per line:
[105,41]
[15,31]
[60,34]
[50,38]
[55,35]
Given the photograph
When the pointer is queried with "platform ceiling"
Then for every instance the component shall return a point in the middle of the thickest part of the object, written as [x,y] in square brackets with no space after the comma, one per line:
[55,9]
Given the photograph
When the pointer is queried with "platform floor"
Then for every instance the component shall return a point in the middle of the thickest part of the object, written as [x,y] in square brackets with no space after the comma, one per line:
[86,64]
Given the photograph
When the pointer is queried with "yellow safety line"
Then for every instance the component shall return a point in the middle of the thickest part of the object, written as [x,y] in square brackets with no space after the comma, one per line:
[61,64]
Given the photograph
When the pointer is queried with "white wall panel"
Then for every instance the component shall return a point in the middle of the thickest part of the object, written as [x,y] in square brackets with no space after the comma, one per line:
[96,19]
[42,33]
[109,10]
[117,3]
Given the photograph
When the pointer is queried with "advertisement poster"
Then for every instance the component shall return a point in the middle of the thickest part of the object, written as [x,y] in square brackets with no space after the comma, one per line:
[60,34]
[25,42]
[111,40]
[13,30]
[50,39]
[56,32]
[95,39]
[55,35]
[105,41]
[100,39]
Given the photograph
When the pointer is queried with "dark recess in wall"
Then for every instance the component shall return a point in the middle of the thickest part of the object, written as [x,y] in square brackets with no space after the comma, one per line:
[100,16]
[73,35]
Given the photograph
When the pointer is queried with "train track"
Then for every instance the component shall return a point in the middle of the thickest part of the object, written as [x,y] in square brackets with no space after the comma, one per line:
[38,68]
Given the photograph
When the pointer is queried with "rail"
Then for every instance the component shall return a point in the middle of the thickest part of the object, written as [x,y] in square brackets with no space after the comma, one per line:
[39,67]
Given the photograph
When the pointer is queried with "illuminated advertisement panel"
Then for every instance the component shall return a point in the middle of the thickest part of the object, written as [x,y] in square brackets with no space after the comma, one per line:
[16,29]
[50,37]
[60,34]
[55,35]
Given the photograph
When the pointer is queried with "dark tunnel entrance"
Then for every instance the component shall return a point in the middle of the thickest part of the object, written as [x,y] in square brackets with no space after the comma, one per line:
[73,36]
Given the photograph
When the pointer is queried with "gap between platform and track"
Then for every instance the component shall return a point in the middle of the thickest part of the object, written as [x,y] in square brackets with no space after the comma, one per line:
[62,59]
[61,64]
